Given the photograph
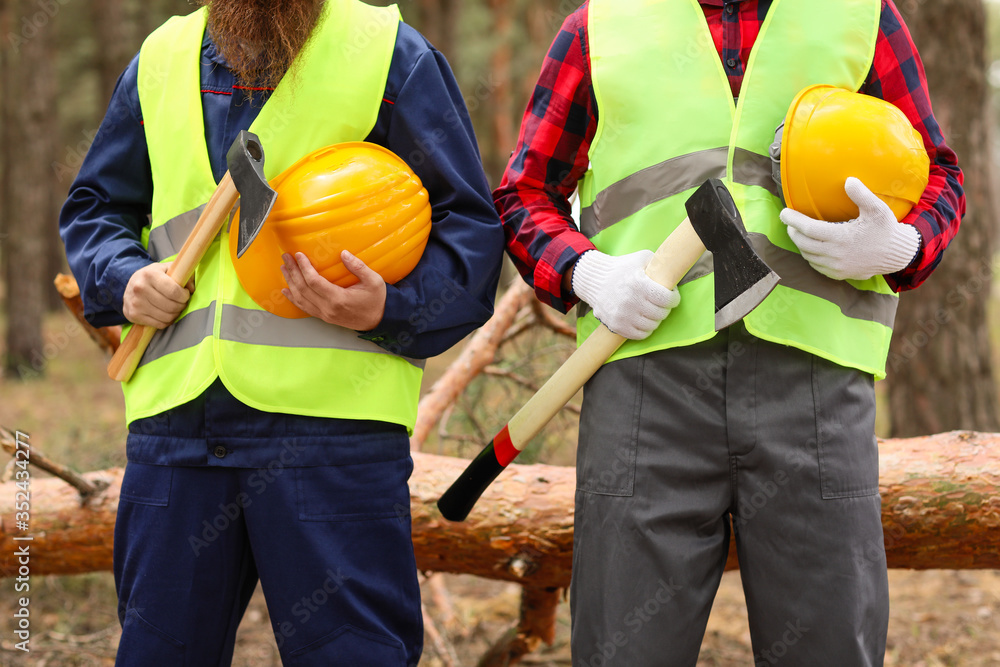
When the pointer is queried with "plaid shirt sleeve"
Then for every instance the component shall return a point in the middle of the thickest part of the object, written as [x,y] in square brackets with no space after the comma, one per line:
[549,159]
[898,77]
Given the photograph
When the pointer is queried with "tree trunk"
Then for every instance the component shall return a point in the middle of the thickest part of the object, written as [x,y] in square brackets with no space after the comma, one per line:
[149,14]
[501,103]
[451,11]
[940,370]
[147,18]
[940,509]
[32,192]
[111,30]
[438,22]
[6,136]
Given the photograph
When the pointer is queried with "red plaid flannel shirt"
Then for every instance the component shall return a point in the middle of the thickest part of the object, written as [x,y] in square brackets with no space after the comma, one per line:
[561,119]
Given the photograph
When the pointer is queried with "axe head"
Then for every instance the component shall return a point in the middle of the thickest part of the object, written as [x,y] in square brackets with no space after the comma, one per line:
[246,166]
[742,279]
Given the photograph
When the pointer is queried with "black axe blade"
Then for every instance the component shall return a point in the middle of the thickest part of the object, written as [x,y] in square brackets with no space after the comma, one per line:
[246,166]
[742,279]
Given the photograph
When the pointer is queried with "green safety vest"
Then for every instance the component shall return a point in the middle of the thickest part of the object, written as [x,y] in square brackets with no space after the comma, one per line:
[331,94]
[668,121]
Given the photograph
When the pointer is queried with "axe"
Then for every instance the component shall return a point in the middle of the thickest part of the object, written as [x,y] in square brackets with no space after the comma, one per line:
[244,180]
[742,280]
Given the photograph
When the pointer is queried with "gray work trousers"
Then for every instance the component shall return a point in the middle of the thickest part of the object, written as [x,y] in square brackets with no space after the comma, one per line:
[676,444]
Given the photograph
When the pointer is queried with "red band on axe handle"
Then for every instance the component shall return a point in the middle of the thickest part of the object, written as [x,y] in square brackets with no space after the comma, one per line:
[504,448]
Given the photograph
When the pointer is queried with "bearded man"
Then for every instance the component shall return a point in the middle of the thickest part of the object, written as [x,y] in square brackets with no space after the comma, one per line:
[302,483]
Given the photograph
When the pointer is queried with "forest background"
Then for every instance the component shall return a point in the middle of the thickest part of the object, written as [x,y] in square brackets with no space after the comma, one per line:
[58,65]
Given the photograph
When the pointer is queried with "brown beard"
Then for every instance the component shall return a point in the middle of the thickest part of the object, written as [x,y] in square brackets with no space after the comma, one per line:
[259,39]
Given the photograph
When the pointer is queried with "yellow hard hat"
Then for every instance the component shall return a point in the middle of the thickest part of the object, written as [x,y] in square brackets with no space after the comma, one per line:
[830,134]
[354,196]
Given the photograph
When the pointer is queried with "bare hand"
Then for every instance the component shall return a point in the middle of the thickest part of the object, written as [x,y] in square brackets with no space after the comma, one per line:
[152,298]
[359,307]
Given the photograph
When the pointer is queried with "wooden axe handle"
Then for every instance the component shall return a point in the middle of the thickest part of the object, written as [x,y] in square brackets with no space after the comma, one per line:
[674,258]
[211,220]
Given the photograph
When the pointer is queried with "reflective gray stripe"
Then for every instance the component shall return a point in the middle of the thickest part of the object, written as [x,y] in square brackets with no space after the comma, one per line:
[797,274]
[167,239]
[187,332]
[635,192]
[656,183]
[259,327]
[753,169]
[666,179]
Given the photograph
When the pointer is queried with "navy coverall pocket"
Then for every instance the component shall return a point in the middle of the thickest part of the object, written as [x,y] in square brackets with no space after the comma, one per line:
[147,484]
[354,492]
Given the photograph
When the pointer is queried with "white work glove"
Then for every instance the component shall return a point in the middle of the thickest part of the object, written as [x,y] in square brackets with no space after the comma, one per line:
[623,297]
[872,244]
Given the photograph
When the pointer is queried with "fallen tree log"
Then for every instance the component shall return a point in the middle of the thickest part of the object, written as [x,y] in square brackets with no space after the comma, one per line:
[940,509]
[941,501]
[66,534]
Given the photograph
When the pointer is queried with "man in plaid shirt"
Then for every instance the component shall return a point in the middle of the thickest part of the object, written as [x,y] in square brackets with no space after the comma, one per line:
[769,433]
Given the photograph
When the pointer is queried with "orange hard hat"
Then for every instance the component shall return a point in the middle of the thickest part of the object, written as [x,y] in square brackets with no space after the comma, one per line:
[830,134]
[354,196]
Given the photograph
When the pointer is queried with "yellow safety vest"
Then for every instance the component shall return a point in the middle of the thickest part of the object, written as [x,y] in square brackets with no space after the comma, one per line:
[331,94]
[668,121]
